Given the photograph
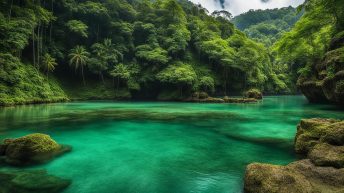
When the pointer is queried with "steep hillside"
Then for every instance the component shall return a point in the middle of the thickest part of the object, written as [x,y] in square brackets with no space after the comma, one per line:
[267,26]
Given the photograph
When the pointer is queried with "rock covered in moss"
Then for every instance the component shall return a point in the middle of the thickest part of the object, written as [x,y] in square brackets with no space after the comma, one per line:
[312,91]
[254,93]
[311,132]
[298,177]
[31,149]
[324,154]
[333,87]
[322,142]
[239,100]
[33,181]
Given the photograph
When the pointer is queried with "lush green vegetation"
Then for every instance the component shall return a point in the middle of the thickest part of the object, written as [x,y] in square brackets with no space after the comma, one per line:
[164,49]
[267,26]
[139,49]
[313,50]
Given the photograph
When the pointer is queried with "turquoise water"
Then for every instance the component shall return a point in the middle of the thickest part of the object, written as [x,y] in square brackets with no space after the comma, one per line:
[154,147]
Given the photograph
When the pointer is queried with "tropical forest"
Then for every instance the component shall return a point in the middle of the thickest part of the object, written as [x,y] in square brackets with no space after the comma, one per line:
[171,96]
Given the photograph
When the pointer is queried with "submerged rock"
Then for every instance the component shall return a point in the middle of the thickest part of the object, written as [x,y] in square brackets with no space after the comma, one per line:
[254,93]
[34,181]
[31,149]
[298,177]
[322,142]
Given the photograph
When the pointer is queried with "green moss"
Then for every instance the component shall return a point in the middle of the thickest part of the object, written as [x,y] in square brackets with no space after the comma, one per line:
[310,132]
[324,154]
[33,148]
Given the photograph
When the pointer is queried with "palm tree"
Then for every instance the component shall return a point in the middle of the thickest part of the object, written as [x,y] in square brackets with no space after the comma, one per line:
[48,63]
[78,57]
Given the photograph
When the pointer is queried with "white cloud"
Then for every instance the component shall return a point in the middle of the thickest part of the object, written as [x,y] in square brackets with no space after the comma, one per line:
[237,7]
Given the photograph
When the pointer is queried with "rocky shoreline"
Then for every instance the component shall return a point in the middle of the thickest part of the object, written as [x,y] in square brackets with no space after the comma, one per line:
[321,143]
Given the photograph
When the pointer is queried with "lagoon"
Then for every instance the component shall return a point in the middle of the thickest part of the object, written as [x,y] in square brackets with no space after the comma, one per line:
[163,147]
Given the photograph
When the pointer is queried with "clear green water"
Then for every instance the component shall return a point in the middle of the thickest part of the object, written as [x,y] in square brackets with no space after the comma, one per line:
[151,147]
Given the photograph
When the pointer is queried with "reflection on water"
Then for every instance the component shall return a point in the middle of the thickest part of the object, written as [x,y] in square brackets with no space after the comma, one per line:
[149,147]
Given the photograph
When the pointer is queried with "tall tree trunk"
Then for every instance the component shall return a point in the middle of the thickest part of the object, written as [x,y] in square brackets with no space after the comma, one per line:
[82,73]
[225,86]
[181,91]
[97,32]
[10,12]
[33,47]
[51,23]
[117,83]
[38,46]
[102,77]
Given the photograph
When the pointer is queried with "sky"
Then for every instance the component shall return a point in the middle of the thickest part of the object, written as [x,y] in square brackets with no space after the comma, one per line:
[237,7]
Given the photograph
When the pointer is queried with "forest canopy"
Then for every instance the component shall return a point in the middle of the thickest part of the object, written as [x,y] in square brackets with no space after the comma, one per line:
[137,44]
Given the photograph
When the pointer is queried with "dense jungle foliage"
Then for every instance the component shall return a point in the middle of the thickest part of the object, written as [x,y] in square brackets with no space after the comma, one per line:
[165,49]
[267,26]
[54,50]
[314,51]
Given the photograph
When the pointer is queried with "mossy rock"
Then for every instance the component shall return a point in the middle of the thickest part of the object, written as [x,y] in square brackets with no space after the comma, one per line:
[211,100]
[267,178]
[324,154]
[313,91]
[254,93]
[298,177]
[32,181]
[31,149]
[239,100]
[313,131]
[333,88]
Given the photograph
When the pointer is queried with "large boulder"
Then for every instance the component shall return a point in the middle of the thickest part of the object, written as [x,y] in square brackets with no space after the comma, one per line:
[298,177]
[321,141]
[254,93]
[33,181]
[311,132]
[32,149]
